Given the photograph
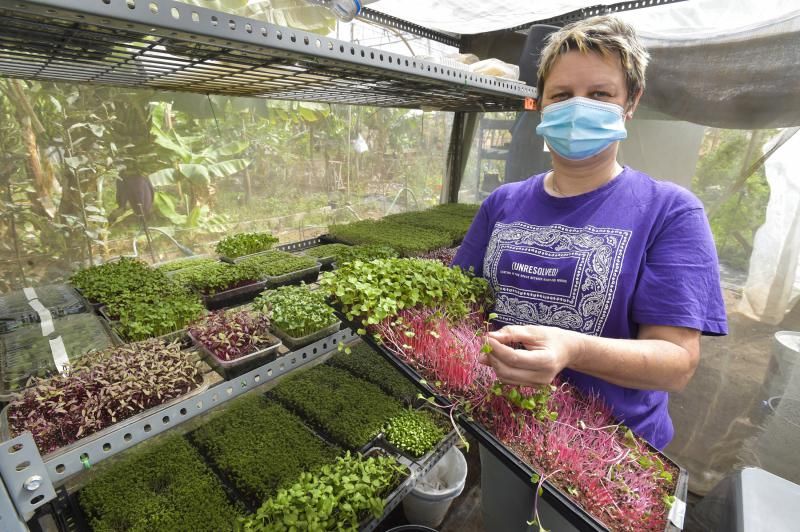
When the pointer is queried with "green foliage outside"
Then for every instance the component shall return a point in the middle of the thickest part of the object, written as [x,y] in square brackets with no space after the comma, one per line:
[736,216]
[217,165]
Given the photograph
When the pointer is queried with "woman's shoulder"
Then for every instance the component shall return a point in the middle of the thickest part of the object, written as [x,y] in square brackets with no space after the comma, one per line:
[651,192]
[516,190]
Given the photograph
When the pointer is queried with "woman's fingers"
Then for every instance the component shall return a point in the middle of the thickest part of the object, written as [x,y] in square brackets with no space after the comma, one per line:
[519,366]
[528,336]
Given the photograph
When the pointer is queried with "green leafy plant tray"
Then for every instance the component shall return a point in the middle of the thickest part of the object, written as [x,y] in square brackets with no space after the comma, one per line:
[234,368]
[111,325]
[237,260]
[395,496]
[295,343]
[5,430]
[427,459]
[306,275]
[240,294]
[94,305]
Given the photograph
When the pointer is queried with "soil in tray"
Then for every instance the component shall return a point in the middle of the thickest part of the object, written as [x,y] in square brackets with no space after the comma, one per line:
[165,487]
[258,447]
[344,408]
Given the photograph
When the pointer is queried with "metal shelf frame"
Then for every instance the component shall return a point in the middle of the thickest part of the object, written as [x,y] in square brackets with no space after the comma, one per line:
[167,45]
[29,481]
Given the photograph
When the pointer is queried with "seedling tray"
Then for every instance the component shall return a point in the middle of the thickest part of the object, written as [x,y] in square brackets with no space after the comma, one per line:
[188,259]
[5,429]
[59,299]
[394,497]
[233,296]
[170,337]
[94,305]
[236,260]
[326,263]
[564,505]
[320,431]
[306,275]
[401,366]
[25,353]
[235,494]
[295,343]
[233,368]
[425,462]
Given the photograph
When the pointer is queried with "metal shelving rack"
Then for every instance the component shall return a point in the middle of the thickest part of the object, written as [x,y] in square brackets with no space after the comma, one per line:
[167,45]
[171,46]
[29,480]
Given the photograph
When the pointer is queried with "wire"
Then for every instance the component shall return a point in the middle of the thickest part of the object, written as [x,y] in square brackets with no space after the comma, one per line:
[214,114]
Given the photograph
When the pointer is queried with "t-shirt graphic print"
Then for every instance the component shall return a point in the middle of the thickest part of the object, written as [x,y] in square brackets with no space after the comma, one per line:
[555,275]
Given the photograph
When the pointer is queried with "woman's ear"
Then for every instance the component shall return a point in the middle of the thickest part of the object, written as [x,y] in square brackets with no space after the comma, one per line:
[633,105]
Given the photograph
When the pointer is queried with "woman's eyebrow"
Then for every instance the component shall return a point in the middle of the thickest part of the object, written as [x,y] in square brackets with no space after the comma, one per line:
[602,86]
[559,88]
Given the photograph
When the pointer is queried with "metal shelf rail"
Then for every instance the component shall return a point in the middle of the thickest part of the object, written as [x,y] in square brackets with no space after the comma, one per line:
[167,45]
[28,480]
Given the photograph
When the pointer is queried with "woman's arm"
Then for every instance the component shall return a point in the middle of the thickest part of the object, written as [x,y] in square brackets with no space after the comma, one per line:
[661,357]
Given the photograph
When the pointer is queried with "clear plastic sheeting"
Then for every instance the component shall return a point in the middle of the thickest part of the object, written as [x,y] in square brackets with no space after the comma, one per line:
[721,64]
[479,16]
[692,17]
[773,283]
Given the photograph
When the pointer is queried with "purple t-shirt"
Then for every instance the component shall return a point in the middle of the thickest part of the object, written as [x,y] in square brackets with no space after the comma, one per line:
[634,251]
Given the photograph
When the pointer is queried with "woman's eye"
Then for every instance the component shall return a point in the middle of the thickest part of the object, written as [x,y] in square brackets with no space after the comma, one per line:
[600,94]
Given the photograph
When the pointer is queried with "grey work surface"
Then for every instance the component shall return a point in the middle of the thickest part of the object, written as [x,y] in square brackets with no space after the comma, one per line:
[749,500]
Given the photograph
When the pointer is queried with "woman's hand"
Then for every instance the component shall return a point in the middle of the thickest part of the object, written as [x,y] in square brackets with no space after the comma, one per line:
[662,357]
[530,355]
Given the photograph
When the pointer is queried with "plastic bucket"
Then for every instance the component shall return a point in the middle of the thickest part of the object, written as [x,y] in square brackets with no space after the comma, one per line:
[429,501]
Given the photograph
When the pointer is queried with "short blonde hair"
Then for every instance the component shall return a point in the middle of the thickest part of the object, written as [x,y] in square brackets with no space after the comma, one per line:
[605,35]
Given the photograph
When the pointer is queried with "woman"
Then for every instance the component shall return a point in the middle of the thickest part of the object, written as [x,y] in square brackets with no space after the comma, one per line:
[600,273]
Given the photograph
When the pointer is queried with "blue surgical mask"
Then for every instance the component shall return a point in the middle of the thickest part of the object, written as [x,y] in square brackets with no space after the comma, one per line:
[580,128]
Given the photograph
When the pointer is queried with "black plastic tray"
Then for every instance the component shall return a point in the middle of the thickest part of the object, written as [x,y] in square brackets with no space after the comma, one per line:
[565,506]
[59,299]
[233,296]
[306,275]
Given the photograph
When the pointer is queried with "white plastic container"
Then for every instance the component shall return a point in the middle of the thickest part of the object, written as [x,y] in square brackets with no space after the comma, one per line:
[429,501]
